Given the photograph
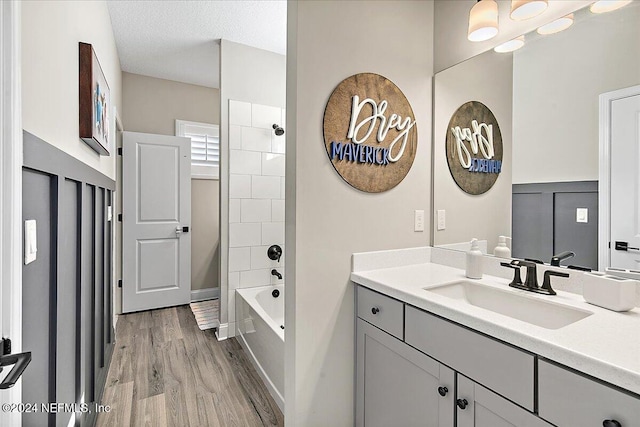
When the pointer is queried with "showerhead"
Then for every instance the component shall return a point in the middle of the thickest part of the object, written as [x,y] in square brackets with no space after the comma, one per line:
[278,130]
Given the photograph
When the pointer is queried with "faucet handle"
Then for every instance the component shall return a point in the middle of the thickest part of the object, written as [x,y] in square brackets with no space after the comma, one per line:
[546,283]
[516,272]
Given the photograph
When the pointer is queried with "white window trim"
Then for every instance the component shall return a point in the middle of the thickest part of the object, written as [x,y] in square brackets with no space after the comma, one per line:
[199,171]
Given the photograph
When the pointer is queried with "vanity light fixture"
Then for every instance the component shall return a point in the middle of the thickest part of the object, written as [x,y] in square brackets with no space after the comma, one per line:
[603,6]
[511,45]
[527,9]
[483,21]
[557,25]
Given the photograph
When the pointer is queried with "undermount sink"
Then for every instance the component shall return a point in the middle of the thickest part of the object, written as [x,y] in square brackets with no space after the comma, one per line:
[527,308]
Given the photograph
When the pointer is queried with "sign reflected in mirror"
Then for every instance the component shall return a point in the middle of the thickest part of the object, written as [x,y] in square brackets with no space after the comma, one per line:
[547,97]
[474,148]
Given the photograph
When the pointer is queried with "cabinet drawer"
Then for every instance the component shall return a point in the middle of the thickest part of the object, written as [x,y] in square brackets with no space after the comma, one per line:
[381,311]
[568,399]
[500,367]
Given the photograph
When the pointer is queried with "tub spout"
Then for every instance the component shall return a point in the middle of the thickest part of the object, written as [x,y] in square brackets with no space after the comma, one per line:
[274,272]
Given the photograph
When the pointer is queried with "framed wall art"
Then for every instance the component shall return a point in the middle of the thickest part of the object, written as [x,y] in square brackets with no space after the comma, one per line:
[95,102]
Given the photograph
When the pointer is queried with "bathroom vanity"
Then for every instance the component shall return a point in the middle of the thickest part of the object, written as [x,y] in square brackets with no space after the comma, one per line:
[436,349]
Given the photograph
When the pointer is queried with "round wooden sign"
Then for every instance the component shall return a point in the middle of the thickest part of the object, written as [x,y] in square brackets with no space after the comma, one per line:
[474,148]
[370,132]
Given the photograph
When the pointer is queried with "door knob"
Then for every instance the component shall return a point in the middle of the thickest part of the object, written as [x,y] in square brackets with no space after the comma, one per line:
[462,403]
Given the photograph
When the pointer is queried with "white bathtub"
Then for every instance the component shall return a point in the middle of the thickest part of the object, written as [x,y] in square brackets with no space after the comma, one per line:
[260,331]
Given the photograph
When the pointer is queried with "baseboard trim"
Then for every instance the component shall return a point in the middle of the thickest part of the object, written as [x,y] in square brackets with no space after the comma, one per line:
[205,294]
[226,330]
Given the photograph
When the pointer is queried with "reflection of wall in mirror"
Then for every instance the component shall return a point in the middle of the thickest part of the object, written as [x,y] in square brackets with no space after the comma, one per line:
[556,83]
[486,78]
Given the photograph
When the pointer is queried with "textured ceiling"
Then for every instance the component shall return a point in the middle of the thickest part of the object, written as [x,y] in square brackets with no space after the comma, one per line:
[178,40]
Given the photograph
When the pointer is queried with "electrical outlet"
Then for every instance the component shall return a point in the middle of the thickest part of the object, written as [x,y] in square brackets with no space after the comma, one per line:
[418,221]
[441,220]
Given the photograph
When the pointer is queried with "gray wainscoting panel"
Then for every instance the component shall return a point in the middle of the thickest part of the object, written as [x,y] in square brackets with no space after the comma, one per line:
[68,303]
[37,284]
[67,297]
[544,221]
[532,226]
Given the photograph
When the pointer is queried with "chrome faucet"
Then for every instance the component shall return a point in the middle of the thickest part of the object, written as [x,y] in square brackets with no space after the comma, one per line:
[531,280]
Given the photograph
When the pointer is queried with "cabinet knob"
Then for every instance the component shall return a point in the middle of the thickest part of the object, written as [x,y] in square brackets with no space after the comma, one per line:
[611,423]
[443,391]
[462,403]
[375,310]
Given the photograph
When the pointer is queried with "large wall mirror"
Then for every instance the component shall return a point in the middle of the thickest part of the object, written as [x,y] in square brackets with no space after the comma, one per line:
[546,98]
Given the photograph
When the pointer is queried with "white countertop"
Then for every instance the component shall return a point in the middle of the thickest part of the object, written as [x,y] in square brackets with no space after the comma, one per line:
[605,345]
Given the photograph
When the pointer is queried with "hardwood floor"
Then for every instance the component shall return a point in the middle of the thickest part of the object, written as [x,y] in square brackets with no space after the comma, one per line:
[167,372]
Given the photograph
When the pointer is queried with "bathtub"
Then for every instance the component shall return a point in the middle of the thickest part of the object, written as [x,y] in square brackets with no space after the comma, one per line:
[260,331]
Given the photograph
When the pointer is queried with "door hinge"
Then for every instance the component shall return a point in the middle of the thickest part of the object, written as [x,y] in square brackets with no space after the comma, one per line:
[119,217]
[120,283]
[119,151]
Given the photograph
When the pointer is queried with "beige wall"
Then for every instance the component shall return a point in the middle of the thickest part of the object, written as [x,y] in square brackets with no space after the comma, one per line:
[486,78]
[51,31]
[152,105]
[451,26]
[326,219]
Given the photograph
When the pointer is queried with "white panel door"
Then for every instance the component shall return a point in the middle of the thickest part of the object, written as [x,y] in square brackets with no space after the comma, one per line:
[625,181]
[156,218]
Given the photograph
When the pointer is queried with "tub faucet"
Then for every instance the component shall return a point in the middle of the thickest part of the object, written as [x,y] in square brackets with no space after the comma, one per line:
[274,272]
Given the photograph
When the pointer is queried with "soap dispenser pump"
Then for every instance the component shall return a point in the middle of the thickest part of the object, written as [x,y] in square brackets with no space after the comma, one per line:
[502,250]
[474,261]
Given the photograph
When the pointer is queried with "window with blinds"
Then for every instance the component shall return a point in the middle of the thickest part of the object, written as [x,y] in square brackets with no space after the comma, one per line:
[205,147]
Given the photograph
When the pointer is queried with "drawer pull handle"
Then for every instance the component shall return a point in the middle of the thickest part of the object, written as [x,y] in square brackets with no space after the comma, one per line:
[375,310]
[611,423]
[443,391]
[462,403]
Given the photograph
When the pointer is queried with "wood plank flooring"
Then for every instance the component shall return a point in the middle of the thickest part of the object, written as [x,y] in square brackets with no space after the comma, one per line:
[167,372]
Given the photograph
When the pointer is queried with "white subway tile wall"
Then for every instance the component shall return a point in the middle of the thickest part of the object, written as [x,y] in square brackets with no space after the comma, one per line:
[239,113]
[272,164]
[234,210]
[239,187]
[265,187]
[255,210]
[256,195]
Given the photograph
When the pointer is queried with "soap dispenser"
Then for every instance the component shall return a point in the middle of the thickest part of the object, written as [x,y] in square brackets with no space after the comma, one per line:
[502,251]
[474,261]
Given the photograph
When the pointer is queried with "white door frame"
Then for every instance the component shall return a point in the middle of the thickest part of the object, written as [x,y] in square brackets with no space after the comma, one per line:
[10,192]
[604,181]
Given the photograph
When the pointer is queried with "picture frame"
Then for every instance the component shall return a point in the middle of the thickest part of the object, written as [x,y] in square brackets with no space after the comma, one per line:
[94,102]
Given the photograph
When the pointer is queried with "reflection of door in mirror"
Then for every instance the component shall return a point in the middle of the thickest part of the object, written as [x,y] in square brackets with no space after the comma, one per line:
[623,124]
[546,98]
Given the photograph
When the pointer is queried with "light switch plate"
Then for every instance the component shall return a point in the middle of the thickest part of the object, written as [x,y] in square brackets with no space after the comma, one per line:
[30,241]
[418,220]
[441,220]
[582,215]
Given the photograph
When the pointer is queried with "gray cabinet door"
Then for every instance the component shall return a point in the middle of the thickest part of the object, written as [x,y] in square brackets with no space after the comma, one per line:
[397,385]
[483,408]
